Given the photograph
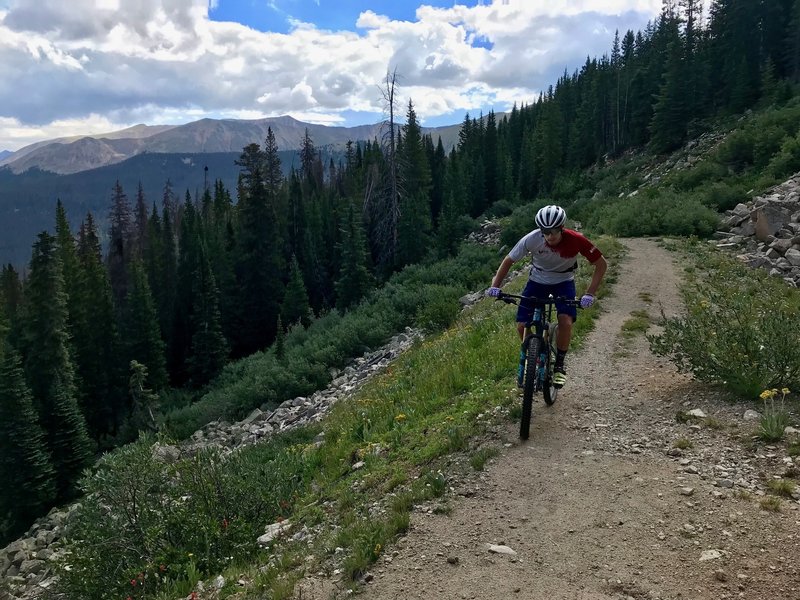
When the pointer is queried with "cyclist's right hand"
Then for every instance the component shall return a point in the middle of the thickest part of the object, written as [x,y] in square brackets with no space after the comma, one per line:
[493,292]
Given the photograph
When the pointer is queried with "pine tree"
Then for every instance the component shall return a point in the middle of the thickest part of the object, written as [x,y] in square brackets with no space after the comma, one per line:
[142,337]
[167,288]
[154,255]
[668,128]
[548,153]
[769,83]
[140,237]
[259,262]
[69,261]
[209,349]
[308,154]
[438,162]
[295,307]
[169,203]
[528,182]
[27,474]
[144,402]
[280,341]
[11,298]
[735,52]
[354,279]
[96,339]
[490,160]
[792,51]
[119,244]
[4,323]
[188,267]
[49,367]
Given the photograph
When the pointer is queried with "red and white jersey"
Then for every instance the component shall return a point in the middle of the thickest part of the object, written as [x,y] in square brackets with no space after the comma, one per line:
[554,264]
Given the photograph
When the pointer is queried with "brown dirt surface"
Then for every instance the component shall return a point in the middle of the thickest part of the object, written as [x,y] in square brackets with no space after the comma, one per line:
[599,503]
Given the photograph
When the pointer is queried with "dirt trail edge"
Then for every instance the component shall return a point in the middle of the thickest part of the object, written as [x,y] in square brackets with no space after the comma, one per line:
[599,503]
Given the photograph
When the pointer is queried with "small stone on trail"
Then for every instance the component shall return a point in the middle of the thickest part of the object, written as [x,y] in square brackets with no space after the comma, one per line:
[696,412]
[500,549]
[720,575]
[687,491]
[453,560]
[710,555]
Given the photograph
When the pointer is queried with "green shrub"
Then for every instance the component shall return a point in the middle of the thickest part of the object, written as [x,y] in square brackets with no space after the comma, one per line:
[145,526]
[657,212]
[787,161]
[501,208]
[567,186]
[702,172]
[767,144]
[736,152]
[439,306]
[737,328]
[722,196]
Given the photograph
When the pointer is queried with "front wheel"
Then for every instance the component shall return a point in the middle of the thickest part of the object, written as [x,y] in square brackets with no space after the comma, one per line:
[529,385]
[549,391]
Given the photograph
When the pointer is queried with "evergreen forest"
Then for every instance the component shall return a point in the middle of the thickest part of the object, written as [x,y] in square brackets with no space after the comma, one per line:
[151,330]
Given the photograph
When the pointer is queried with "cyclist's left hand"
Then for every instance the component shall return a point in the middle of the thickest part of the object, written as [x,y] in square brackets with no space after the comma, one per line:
[587,300]
[493,292]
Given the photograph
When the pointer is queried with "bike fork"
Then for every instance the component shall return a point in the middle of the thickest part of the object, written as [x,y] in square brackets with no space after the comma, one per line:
[522,355]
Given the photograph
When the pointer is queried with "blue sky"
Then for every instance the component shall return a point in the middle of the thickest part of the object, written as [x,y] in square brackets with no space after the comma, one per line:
[278,15]
[94,66]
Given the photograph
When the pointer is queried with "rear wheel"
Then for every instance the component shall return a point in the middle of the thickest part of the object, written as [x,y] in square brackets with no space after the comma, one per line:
[529,386]
[550,392]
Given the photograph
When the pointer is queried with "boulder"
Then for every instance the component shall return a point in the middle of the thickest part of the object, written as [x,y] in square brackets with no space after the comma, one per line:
[793,256]
[768,221]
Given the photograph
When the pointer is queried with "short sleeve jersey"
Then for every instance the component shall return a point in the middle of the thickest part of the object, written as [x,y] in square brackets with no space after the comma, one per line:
[554,264]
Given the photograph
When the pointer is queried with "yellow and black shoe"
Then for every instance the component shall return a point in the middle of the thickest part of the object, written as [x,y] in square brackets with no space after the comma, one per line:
[559,377]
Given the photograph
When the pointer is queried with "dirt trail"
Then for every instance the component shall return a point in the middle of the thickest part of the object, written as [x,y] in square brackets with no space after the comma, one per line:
[597,504]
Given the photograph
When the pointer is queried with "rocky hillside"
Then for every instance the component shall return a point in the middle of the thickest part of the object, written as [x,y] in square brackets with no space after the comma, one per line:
[765,232]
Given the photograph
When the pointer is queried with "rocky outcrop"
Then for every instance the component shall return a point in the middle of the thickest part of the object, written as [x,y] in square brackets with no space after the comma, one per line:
[487,235]
[261,422]
[765,232]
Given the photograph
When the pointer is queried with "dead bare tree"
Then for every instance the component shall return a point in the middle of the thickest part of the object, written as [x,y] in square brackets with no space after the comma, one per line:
[384,188]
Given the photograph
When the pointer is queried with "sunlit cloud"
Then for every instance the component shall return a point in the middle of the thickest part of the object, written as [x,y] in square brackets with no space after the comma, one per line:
[164,61]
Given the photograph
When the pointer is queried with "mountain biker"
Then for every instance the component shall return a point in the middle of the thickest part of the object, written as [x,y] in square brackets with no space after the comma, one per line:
[554,257]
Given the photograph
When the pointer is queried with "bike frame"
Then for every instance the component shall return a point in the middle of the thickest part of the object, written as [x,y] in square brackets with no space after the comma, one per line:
[537,365]
[538,326]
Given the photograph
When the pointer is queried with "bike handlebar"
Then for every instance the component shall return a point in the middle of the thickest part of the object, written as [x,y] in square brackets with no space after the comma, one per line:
[513,298]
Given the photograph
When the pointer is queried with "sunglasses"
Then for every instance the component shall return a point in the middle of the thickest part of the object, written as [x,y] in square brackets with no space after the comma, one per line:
[546,231]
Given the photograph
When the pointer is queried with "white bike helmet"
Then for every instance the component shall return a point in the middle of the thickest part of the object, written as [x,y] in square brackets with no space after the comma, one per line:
[550,217]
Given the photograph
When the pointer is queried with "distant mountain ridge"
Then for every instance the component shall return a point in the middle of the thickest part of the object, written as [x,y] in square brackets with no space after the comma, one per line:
[80,153]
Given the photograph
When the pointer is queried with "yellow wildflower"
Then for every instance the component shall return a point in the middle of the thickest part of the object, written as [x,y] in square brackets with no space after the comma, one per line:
[400,418]
[767,394]
[785,391]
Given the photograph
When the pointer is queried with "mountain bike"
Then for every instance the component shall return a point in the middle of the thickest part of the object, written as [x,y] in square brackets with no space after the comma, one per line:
[537,354]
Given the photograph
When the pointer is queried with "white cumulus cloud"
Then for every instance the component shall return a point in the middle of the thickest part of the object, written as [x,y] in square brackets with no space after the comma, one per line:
[70,64]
